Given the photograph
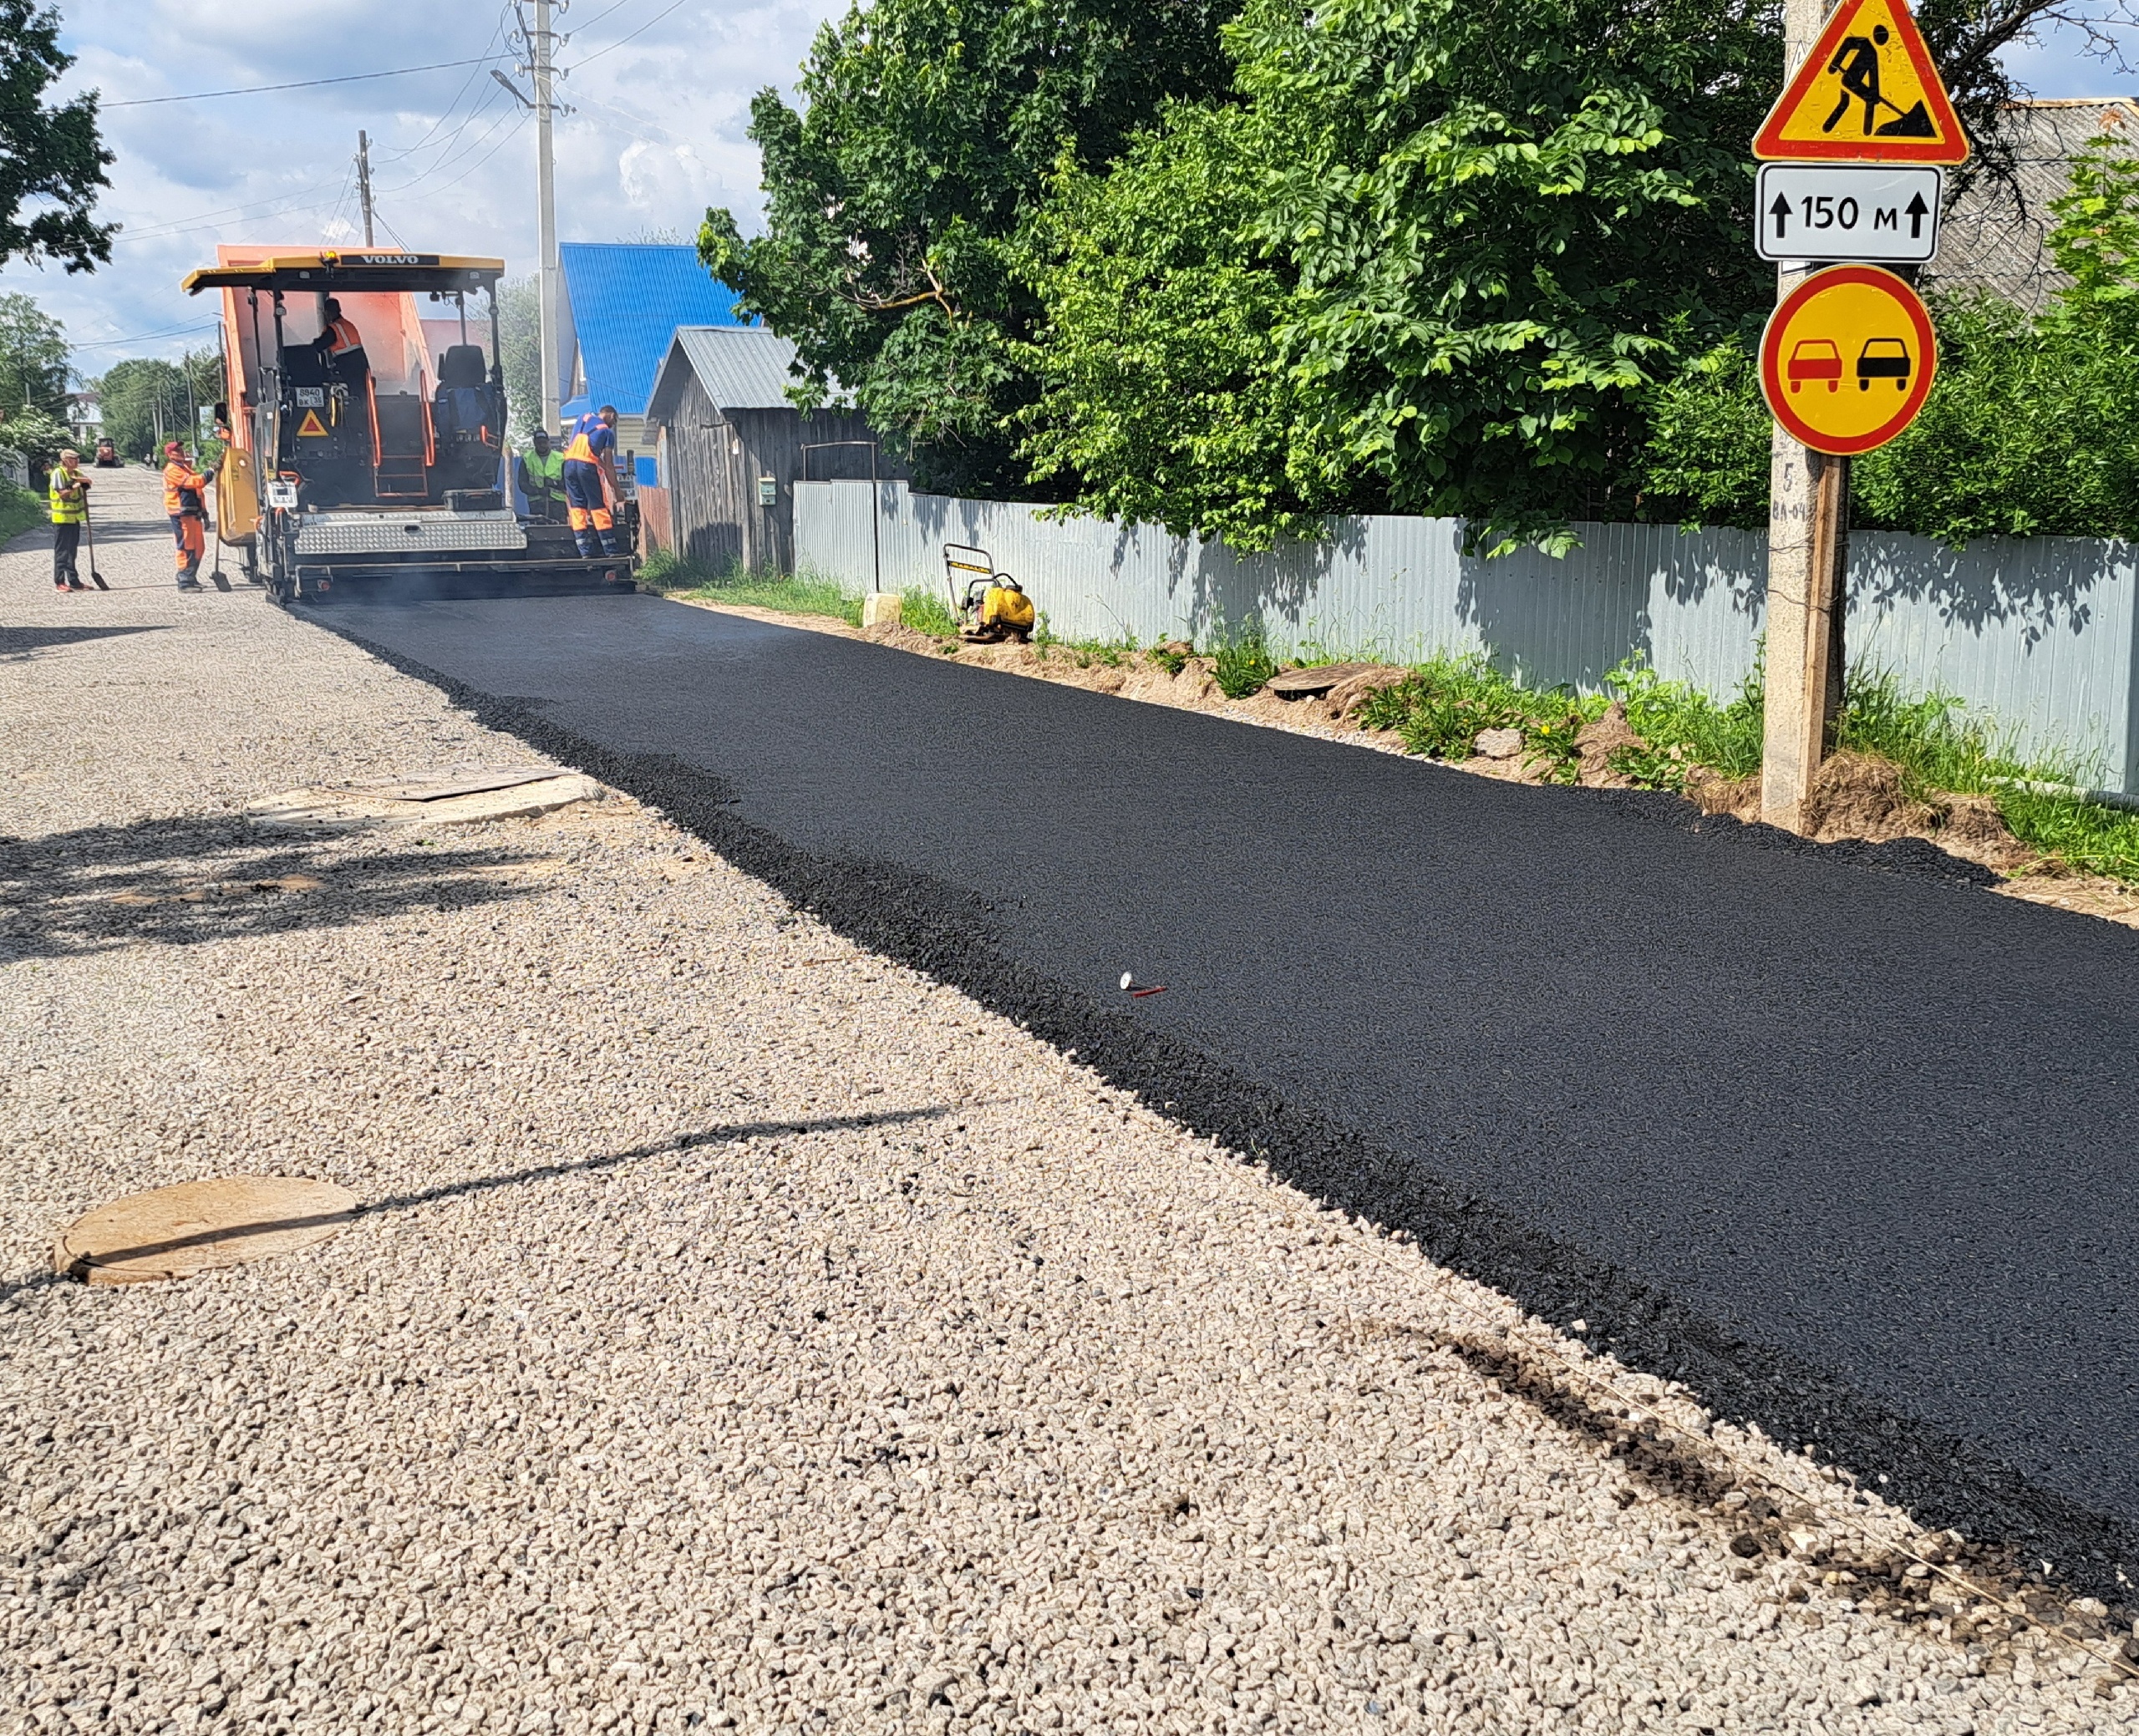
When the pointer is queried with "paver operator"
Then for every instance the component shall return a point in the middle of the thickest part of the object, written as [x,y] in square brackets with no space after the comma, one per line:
[341,347]
[590,481]
[68,491]
[184,489]
[541,479]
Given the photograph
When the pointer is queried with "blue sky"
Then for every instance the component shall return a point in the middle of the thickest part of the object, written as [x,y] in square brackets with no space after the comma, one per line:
[662,88]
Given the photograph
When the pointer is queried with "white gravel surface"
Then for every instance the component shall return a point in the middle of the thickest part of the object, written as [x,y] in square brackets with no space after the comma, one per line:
[748,1332]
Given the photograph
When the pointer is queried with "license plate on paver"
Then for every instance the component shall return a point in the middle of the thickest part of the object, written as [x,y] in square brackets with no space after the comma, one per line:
[282,494]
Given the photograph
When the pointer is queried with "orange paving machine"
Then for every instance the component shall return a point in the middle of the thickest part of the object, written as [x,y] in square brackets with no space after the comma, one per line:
[358,455]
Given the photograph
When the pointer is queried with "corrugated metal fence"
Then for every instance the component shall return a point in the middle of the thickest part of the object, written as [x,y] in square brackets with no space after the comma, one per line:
[2038,633]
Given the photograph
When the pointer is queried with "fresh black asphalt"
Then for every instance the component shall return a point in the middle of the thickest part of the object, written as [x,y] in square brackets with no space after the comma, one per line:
[1843,1140]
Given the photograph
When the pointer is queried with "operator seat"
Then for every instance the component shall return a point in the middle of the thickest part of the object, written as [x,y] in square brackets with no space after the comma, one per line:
[468,418]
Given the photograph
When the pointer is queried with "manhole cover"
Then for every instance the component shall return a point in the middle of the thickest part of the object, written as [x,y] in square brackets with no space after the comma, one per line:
[173,1233]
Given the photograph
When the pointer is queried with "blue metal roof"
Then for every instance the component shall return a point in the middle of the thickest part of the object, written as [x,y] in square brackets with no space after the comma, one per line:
[626,300]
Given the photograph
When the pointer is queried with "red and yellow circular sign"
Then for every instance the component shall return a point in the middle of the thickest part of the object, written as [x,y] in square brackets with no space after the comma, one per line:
[1848,358]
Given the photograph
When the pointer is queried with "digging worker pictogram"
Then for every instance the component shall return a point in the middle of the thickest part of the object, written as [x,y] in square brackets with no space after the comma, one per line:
[67,490]
[589,483]
[183,488]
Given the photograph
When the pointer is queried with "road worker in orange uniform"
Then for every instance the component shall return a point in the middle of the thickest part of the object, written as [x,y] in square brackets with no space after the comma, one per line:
[341,346]
[590,480]
[184,488]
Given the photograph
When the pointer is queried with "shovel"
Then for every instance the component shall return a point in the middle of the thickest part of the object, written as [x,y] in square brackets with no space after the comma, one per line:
[89,531]
[217,577]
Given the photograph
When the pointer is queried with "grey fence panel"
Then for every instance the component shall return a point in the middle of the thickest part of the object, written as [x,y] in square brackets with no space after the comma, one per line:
[2040,635]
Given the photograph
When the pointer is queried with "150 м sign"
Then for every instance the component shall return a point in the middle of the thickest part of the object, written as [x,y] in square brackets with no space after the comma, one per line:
[1849,211]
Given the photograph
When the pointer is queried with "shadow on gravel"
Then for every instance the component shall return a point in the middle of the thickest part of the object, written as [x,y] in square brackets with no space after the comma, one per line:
[18,642]
[177,883]
[725,1135]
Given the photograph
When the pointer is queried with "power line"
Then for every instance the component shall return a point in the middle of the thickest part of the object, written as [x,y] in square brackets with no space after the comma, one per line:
[144,337]
[398,72]
[622,40]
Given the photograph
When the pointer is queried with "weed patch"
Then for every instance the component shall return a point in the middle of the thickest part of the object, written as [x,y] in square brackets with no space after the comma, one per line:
[923,609]
[1440,708]
[19,509]
[797,594]
[1242,665]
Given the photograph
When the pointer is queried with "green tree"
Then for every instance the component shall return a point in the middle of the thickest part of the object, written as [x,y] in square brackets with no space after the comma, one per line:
[520,341]
[1460,210]
[33,356]
[930,131]
[52,160]
[1163,393]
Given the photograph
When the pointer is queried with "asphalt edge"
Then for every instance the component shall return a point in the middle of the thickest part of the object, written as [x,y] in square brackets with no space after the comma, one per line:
[947,933]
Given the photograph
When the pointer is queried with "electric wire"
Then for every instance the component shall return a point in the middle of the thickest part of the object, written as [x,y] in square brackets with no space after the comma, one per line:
[144,337]
[622,40]
[202,96]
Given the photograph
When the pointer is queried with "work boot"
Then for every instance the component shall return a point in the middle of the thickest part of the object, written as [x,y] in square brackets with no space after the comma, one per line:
[188,579]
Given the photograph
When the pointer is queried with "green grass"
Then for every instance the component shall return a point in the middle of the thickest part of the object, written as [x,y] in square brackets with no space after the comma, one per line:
[1242,665]
[19,509]
[1939,747]
[1684,727]
[1439,709]
[798,594]
[924,608]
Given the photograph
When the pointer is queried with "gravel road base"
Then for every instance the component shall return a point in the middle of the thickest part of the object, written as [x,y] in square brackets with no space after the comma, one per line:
[744,1332]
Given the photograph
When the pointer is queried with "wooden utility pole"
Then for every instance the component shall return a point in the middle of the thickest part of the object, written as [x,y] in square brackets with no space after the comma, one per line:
[363,182]
[1808,544]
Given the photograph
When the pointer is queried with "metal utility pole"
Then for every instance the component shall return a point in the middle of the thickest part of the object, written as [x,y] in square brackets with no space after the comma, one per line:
[1808,546]
[540,42]
[363,182]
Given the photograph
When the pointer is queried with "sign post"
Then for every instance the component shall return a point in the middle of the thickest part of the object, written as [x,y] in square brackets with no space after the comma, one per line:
[1862,90]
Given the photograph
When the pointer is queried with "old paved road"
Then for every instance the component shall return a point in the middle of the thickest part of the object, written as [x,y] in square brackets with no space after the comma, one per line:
[1866,1136]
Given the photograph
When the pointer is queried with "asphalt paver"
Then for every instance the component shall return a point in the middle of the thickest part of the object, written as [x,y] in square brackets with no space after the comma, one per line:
[1842,1140]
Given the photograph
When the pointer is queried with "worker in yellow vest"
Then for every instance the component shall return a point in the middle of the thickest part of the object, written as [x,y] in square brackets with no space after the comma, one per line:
[67,490]
[541,479]
[183,505]
[590,481]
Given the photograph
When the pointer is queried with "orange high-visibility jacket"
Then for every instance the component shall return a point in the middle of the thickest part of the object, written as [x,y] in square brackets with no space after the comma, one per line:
[342,335]
[176,477]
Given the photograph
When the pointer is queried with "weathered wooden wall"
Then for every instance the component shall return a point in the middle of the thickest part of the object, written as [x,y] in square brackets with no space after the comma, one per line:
[711,460]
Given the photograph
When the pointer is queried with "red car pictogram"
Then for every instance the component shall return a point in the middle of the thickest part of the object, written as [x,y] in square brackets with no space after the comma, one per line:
[1814,358]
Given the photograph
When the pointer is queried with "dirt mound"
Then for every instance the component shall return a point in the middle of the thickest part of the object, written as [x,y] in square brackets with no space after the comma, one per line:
[1714,794]
[904,638]
[1858,795]
[1344,699]
[1598,740]
[1974,828]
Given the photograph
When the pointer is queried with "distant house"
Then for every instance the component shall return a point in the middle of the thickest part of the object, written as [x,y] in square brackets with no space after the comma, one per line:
[620,305]
[731,447]
[1997,235]
[85,415]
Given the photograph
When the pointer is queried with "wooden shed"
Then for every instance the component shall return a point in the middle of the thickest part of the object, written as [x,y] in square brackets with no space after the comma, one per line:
[730,447]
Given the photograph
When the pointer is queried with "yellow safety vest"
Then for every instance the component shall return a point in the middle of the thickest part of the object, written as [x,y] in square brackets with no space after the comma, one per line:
[547,469]
[65,511]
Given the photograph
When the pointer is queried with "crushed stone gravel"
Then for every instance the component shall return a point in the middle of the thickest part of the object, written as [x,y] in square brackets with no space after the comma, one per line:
[744,1332]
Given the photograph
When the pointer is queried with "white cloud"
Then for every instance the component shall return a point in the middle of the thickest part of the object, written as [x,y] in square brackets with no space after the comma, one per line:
[658,135]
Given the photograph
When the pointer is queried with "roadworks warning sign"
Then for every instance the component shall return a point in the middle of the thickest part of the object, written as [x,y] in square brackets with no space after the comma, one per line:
[1868,93]
[312,426]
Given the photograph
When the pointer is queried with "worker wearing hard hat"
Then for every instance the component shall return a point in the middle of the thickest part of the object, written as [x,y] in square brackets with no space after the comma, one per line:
[184,487]
[540,477]
[67,491]
[590,481]
[341,346]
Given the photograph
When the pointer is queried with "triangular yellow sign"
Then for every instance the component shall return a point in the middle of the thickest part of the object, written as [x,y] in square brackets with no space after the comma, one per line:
[1868,93]
[312,424]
